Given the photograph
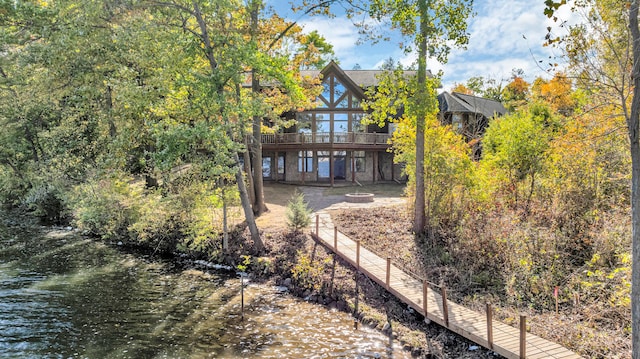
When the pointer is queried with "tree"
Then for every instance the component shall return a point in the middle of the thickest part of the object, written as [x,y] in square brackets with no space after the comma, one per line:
[515,94]
[604,54]
[435,26]
[514,147]
[461,88]
[298,213]
[557,92]
[275,39]
[215,41]
[230,45]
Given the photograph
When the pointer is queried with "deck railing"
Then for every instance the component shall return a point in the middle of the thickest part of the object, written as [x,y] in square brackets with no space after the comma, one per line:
[326,137]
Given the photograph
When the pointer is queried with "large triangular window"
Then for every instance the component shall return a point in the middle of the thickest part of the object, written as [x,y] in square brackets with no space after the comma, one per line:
[336,95]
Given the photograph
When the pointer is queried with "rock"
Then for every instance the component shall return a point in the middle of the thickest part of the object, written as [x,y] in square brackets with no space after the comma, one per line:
[474,348]
[282,289]
[287,282]
[386,327]
[119,243]
[427,321]
[410,310]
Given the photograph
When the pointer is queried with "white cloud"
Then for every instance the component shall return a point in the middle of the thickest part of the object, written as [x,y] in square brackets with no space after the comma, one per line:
[339,32]
[348,45]
[505,35]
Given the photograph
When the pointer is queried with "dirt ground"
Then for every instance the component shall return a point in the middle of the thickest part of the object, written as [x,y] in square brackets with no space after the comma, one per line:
[324,198]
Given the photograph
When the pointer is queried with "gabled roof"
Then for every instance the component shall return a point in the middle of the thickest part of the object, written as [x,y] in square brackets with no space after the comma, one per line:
[361,78]
[463,103]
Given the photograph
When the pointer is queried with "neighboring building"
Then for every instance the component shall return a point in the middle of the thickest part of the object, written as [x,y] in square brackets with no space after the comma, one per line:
[330,143]
[469,115]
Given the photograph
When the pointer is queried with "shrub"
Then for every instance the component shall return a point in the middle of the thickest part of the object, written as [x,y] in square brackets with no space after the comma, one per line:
[46,202]
[107,206]
[298,213]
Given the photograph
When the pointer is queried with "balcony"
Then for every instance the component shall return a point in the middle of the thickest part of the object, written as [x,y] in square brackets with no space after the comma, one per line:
[320,140]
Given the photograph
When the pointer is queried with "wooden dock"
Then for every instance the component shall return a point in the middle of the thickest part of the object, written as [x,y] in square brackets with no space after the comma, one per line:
[480,328]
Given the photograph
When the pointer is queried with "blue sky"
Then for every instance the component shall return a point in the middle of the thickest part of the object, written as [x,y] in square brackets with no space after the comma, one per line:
[505,35]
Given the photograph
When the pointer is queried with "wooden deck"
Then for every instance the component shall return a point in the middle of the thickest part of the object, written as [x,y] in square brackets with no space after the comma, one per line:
[499,337]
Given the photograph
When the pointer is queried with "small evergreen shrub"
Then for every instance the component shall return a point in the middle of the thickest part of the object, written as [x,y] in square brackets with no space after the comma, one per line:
[298,213]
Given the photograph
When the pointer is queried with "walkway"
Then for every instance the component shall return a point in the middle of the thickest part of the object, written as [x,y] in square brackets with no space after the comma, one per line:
[501,338]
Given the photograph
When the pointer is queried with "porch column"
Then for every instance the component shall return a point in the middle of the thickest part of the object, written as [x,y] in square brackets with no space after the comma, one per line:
[353,168]
[393,167]
[331,167]
[375,166]
[304,164]
[277,164]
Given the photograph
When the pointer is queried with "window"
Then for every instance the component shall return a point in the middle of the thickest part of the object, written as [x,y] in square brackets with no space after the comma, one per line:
[456,121]
[323,123]
[266,167]
[326,91]
[356,123]
[281,164]
[392,128]
[359,161]
[305,161]
[304,123]
[355,103]
[338,91]
[324,164]
[340,122]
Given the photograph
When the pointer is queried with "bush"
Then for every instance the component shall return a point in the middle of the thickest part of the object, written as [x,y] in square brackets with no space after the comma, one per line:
[298,213]
[46,202]
[106,207]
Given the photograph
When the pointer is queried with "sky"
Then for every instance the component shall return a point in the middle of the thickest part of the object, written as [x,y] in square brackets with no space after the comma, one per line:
[504,35]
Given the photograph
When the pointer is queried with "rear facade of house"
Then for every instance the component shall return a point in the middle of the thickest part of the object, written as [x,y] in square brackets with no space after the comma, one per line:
[330,144]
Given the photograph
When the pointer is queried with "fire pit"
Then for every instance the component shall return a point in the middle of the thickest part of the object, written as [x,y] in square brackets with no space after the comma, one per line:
[359,197]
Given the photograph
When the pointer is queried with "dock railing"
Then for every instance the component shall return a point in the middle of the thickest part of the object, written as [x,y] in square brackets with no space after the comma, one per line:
[371,265]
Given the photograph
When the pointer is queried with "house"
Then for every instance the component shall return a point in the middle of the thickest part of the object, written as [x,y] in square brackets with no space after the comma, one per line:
[469,115]
[330,143]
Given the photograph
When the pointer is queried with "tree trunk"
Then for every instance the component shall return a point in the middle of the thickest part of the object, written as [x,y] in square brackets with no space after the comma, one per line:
[248,171]
[259,206]
[633,127]
[113,131]
[419,220]
[225,227]
[258,246]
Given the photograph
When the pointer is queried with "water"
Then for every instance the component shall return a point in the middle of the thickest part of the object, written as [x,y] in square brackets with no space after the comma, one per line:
[66,297]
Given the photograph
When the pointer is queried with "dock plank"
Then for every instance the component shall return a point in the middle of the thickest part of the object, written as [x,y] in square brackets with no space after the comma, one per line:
[461,320]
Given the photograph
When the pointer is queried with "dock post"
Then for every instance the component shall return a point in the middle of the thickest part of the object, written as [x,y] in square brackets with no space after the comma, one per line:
[317,225]
[445,310]
[425,287]
[335,239]
[356,314]
[358,254]
[388,282]
[489,326]
[523,336]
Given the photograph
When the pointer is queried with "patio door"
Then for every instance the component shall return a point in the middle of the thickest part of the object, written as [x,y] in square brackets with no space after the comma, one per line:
[326,166]
[339,165]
